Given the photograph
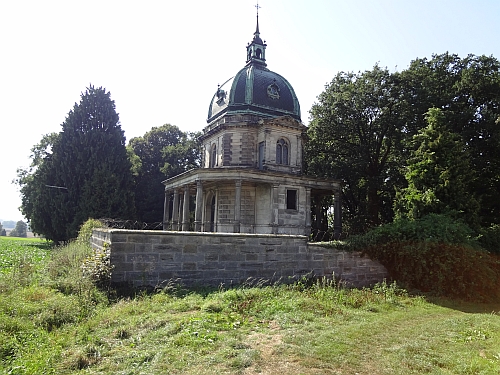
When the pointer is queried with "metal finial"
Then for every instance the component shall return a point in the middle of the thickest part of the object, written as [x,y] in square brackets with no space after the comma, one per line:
[257,27]
[258,7]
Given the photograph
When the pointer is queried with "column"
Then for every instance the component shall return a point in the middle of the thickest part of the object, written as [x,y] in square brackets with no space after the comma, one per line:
[319,216]
[337,215]
[185,213]
[175,210]
[199,205]
[166,209]
[274,208]
[307,231]
[237,207]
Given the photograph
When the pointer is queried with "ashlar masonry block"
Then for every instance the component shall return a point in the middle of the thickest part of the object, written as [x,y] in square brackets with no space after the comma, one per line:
[194,258]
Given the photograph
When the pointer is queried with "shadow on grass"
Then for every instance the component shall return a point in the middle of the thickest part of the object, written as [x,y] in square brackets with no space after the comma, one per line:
[467,306]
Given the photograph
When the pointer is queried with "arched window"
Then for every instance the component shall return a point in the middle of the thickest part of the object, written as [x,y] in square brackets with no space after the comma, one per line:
[282,152]
[213,156]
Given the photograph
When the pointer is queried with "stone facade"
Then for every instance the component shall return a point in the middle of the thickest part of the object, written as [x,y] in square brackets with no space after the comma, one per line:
[252,177]
[153,258]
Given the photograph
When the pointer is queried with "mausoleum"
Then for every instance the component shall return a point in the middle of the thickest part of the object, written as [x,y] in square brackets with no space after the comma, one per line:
[251,179]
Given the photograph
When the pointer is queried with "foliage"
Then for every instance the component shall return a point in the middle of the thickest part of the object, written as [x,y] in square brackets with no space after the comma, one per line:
[85,232]
[454,271]
[435,254]
[20,230]
[439,175]
[354,135]
[363,124]
[489,239]
[467,90]
[429,228]
[98,268]
[9,224]
[161,153]
[81,172]
[2,231]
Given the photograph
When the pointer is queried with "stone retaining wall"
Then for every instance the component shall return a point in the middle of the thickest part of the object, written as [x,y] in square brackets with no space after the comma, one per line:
[153,258]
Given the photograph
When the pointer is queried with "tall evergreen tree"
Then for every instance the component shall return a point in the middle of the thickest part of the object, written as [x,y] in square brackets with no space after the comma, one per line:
[439,175]
[87,172]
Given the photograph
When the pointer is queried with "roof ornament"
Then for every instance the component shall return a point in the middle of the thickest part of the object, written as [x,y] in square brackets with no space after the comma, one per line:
[221,95]
[257,32]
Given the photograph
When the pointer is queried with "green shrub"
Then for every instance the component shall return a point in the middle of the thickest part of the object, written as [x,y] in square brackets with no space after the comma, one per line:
[432,227]
[441,269]
[85,231]
[64,273]
[489,239]
[97,267]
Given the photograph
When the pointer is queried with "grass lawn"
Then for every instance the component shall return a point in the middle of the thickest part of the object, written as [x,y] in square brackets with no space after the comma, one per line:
[55,324]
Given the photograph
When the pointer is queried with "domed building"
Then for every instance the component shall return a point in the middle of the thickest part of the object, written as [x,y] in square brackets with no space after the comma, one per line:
[251,178]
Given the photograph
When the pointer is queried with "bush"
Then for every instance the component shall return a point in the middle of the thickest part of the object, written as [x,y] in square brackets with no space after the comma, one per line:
[436,255]
[85,231]
[489,239]
[97,267]
[441,269]
[430,228]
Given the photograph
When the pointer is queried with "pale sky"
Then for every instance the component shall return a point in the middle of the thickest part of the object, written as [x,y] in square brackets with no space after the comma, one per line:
[162,60]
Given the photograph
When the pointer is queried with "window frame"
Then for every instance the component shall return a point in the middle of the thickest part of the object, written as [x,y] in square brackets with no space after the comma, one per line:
[295,199]
[282,152]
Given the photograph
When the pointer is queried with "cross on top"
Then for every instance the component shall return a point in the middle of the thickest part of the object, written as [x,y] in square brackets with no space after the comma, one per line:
[258,7]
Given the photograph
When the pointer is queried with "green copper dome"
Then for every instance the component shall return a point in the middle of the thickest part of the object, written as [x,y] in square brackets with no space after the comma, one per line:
[255,89]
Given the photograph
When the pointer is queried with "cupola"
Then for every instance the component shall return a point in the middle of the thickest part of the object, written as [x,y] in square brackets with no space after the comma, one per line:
[255,90]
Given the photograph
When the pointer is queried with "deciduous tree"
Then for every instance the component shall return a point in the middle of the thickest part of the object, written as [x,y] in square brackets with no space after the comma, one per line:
[20,230]
[161,153]
[355,135]
[467,90]
[362,130]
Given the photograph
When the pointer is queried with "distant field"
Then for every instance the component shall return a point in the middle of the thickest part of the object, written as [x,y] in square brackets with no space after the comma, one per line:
[29,234]
[14,251]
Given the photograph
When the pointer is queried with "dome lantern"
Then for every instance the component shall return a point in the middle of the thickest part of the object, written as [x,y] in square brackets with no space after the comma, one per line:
[256,50]
[255,90]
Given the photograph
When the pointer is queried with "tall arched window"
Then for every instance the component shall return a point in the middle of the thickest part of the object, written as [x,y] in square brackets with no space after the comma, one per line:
[213,156]
[282,152]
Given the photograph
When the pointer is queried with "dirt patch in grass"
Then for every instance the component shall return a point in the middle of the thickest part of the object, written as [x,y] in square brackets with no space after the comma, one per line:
[273,359]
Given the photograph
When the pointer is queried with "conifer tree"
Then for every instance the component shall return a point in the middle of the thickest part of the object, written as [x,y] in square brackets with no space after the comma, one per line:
[439,175]
[86,174]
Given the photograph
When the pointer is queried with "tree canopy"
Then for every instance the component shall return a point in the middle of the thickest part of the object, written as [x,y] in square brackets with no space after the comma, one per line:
[362,130]
[161,153]
[355,135]
[81,172]
[21,230]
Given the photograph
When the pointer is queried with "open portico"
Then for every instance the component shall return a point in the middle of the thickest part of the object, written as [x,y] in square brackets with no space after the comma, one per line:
[245,200]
